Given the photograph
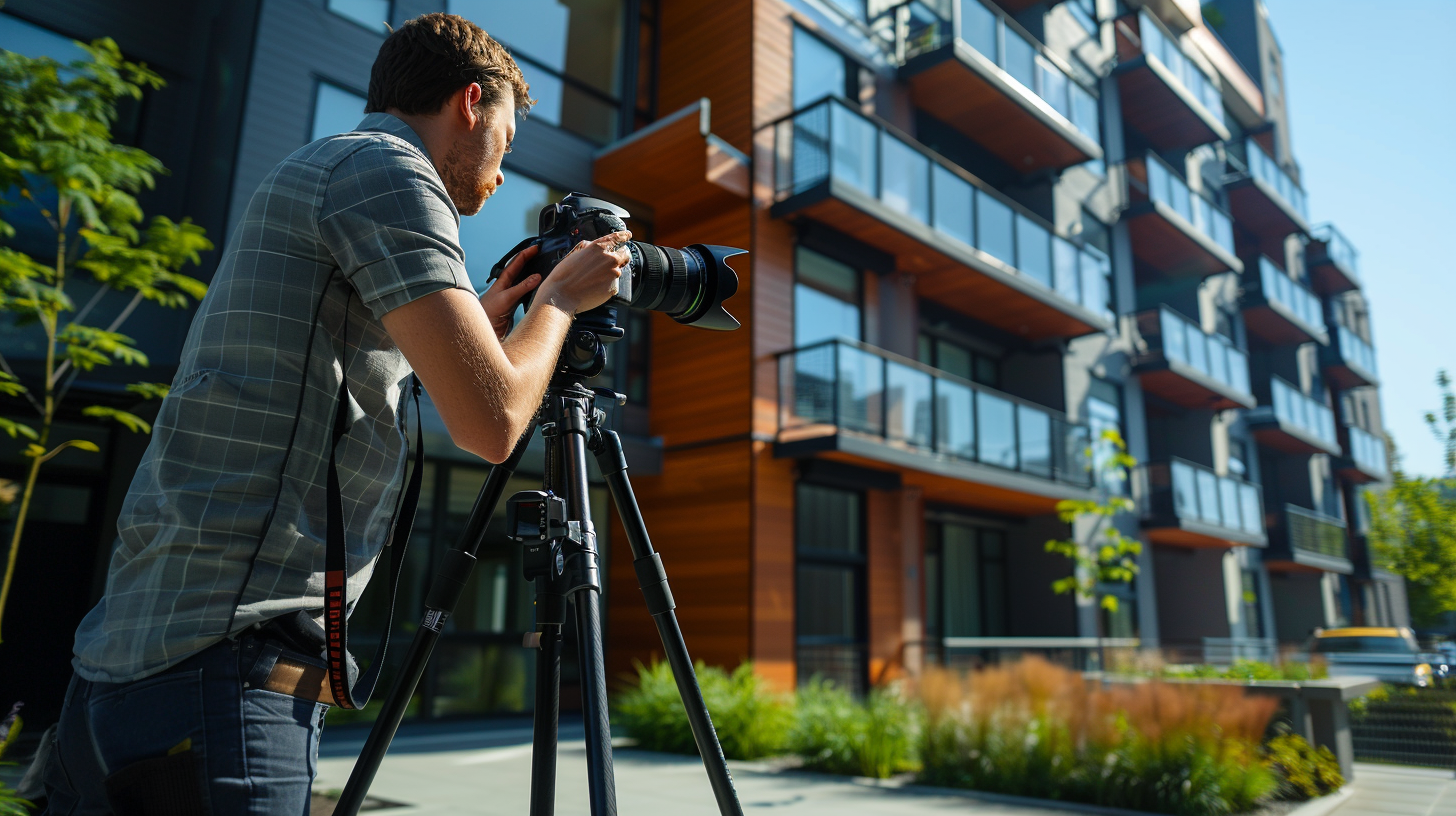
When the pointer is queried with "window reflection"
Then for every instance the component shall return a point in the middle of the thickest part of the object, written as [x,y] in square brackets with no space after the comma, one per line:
[818,69]
[335,110]
[826,299]
[372,14]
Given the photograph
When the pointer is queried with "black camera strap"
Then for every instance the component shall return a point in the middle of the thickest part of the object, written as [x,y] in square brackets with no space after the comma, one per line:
[349,691]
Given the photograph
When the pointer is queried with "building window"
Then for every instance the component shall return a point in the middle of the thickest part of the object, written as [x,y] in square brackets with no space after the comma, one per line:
[955,358]
[1085,13]
[819,70]
[965,581]
[1104,413]
[570,52]
[510,215]
[826,299]
[830,585]
[335,110]
[372,14]
[33,41]
[1249,596]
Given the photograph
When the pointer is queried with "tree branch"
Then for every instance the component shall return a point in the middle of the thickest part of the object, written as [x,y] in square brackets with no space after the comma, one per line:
[90,304]
[115,324]
[34,403]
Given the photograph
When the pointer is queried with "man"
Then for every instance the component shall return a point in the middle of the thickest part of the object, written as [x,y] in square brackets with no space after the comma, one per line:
[344,274]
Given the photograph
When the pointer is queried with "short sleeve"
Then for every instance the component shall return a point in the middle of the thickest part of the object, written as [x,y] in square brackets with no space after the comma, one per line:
[392,228]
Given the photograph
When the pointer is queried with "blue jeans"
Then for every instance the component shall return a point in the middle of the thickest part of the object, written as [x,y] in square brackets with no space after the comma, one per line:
[199,737]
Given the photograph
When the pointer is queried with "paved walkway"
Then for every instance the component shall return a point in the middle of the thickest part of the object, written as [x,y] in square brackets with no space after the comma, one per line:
[488,772]
[1391,790]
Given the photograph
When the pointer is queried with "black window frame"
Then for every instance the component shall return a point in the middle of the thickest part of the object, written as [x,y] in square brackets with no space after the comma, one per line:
[857,563]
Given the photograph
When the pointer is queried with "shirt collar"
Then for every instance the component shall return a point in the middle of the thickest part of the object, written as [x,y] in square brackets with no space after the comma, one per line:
[394,126]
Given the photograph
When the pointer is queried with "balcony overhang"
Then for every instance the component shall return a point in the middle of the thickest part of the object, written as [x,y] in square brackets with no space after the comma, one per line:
[1017,6]
[1356,472]
[1178,15]
[946,271]
[1327,275]
[676,166]
[1273,322]
[1294,559]
[1241,95]
[941,478]
[1273,432]
[1169,246]
[1160,108]
[961,87]
[1344,373]
[1186,386]
[1263,212]
[1171,531]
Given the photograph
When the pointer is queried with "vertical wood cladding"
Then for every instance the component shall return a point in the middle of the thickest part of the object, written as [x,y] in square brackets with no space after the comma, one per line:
[705,45]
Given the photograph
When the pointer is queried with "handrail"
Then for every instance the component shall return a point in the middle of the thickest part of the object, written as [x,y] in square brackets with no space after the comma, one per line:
[1235,503]
[1208,94]
[1315,532]
[1235,366]
[1324,417]
[1217,223]
[1301,299]
[1355,349]
[1367,450]
[1260,165]
[1338,248]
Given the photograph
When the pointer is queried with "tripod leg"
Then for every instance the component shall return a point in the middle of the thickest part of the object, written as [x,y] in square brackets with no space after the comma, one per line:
[653,581]
[586,596]
[450,580]
[546,715]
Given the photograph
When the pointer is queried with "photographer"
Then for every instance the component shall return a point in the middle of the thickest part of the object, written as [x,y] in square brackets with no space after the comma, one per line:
[200,684]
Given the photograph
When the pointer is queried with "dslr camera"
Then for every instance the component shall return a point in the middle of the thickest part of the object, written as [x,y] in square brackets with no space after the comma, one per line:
[689,284]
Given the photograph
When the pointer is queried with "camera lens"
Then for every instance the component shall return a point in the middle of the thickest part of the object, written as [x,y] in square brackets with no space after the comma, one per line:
[689,284]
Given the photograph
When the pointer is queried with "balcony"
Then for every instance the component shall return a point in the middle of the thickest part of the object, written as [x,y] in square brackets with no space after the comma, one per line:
[1349,362]
[1334,263]
[1187,367]
[1293,422]
[979,72]
[1190,505]
[1265,199]
[1166,96]
[1282,311]
[678,166]
[1306,541]
[969,247]
[1175,231]
[959,441]
[1365,460]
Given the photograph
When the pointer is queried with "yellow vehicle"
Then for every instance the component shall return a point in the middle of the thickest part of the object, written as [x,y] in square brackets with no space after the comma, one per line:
[1388,652]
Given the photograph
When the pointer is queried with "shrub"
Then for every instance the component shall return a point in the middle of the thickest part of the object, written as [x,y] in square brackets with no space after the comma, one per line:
[1306,772]
[1034,729]
[836,733]
[751,720]
[1250,670]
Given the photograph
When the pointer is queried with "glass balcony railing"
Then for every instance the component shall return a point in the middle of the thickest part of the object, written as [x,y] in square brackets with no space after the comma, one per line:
[1157,42]
[1265,169]
[1367,450]
[1196,493]
[929,26]
[1315,533]
[1212,355]
[867,391]
[829,140]
[1354,350]
[1171,190]
[1338,248]
[1303,412]
[1296,297]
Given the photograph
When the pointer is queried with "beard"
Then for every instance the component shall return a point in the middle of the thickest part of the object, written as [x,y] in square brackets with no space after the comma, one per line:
[466,175]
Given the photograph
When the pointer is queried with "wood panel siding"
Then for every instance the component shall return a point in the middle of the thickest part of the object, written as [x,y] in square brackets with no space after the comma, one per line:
[772,558]
[704,45]
[884,566]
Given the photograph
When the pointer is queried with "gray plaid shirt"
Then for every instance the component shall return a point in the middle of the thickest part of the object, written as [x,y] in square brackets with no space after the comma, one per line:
[224,524]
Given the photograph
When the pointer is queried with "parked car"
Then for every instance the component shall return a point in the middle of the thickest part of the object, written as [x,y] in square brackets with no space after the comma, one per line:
[1389,653]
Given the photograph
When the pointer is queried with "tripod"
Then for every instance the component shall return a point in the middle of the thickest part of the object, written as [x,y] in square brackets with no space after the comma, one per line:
[555,527]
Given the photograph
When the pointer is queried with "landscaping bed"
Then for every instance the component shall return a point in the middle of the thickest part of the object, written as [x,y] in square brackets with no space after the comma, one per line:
[1027,729]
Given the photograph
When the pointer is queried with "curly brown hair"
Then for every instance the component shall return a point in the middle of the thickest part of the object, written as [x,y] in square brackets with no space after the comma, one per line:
[426,60]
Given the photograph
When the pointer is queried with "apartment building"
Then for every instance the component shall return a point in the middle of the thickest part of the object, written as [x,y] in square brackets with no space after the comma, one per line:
[980,234]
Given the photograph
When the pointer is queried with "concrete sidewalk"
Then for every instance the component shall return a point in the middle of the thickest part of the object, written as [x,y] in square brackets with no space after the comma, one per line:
[487,771]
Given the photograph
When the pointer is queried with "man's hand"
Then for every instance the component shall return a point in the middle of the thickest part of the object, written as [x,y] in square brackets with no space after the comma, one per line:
[587,277]
[500,300]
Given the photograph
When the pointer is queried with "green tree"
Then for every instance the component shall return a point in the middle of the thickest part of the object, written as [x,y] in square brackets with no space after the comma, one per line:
[1445,435]
[1104,556]
[58,158]
[1413,534]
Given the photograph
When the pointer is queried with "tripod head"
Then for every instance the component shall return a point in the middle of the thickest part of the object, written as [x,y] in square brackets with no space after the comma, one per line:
[585,353]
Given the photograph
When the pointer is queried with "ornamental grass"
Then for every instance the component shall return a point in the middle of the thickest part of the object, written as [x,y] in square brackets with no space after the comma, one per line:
[1031,728]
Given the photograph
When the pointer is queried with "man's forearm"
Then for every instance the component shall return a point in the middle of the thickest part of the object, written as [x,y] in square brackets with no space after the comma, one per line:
[532,349]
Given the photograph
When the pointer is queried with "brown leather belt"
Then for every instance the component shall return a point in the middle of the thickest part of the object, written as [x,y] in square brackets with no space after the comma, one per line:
[301,680]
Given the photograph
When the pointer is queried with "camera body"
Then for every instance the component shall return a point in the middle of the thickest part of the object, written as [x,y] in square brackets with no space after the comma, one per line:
[689,284]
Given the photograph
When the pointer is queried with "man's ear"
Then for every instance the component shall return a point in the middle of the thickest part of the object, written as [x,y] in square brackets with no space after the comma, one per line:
[465,102]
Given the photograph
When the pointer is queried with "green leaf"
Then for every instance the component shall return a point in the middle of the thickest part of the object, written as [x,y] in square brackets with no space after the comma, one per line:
[1109,602]
[33,450]
[133,422]
[17,430]
[149,390]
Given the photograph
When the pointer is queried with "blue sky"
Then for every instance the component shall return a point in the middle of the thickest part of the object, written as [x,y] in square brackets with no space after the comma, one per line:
[1372,98]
